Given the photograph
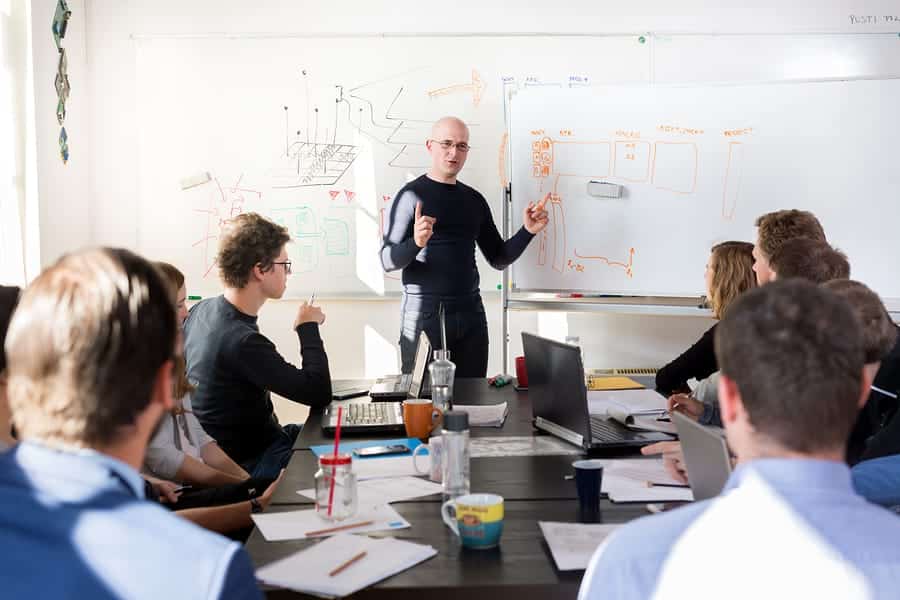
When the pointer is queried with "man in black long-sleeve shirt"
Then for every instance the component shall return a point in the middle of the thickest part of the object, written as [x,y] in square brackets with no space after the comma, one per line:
[234,367]
[431,233]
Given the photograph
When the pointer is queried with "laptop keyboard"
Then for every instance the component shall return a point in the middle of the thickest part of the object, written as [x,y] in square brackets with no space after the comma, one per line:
[602,430]
[369,413]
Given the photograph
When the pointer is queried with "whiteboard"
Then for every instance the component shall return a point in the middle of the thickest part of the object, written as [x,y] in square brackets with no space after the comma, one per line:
[698,164]
[320,133]
[359,108]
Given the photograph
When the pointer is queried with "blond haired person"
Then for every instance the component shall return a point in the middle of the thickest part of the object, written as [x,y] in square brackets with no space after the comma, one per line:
[90,351]
[729,273]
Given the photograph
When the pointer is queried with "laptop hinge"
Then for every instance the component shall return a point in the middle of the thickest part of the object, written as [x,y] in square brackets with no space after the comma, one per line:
[560,432]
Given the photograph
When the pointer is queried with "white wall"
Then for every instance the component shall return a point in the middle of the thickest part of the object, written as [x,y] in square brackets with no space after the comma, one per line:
[66,207]
[93,199]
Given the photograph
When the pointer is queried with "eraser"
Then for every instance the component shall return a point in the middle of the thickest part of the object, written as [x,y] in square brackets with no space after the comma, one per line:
[604,189]
[194,180]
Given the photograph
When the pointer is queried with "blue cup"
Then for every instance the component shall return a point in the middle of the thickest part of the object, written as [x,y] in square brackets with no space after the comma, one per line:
[588,477]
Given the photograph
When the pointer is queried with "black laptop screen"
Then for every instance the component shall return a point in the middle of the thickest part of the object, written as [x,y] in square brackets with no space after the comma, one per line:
[556,383]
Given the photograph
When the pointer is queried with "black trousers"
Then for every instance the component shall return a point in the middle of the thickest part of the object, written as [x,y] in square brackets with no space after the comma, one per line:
[467,332]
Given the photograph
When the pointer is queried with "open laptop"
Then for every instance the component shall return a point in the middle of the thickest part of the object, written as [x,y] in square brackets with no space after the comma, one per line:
[365,418]
[558,397]
[409,385]
[706,456]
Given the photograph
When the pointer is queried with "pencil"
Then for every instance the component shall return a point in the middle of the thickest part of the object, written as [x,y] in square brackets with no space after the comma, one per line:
[666,485]
[339,528]
[346,564]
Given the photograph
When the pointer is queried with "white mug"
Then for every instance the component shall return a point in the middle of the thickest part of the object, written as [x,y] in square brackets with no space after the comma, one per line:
[435,451]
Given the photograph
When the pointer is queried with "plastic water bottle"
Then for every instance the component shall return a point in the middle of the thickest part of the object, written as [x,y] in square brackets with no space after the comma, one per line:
[442,373]
[455,465]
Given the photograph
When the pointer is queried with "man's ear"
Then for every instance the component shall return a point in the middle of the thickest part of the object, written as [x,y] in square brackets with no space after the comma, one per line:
[428,144]
[730,404]
[257,272]
[162,386]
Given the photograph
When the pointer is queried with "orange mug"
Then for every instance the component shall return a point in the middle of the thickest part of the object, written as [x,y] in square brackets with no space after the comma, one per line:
[420,417]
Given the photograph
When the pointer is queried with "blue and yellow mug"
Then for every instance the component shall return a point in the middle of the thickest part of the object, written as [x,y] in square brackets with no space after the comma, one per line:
[477,519]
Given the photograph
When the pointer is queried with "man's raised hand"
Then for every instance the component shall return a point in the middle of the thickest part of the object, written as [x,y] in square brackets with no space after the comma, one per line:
[423,227]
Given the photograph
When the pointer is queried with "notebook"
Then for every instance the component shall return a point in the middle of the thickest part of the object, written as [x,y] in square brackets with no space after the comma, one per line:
[556,388]
[409,385]
[706,456]
[318,569]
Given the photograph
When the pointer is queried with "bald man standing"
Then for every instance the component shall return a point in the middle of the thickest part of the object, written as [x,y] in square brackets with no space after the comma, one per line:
[434,224]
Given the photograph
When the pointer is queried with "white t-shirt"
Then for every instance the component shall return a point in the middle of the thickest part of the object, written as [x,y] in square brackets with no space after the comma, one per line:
[178,436]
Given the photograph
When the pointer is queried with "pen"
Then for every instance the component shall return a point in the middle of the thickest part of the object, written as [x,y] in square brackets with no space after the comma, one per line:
[341,528]
[181,488]
[312,299]
[347,563]
[651,484]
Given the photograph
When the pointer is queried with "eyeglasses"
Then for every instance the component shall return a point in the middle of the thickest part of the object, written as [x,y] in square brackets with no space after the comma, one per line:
[287,265]
[447,144]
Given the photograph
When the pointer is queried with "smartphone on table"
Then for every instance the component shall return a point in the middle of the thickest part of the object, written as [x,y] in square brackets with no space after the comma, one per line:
[381,450]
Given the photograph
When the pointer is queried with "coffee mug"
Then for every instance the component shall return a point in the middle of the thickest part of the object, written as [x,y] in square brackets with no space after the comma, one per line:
[435,450]
[420,417]
[477,519]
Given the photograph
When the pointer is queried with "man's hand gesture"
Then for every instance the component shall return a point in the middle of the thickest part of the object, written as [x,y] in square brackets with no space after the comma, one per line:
[423,228]
[535,217]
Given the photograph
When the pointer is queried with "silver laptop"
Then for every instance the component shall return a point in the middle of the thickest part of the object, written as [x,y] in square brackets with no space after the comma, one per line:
[706,456]
[558,396]
[409,385]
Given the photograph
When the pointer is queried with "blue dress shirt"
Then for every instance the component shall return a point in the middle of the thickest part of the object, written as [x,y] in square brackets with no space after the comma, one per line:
[878,480]
[75,524]
[781,528]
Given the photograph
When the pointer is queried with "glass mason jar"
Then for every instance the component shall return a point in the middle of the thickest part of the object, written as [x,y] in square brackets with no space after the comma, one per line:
[336,497]
[443,373]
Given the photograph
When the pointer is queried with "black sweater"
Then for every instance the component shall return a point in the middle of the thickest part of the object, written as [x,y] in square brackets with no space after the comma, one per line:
[234,367]
[445,267]
[877,429]
[698,361]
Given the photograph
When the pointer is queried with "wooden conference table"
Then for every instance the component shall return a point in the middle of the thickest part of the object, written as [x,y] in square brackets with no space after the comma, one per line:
[534,488]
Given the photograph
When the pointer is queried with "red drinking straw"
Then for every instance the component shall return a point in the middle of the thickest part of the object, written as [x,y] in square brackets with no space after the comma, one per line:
[337,441]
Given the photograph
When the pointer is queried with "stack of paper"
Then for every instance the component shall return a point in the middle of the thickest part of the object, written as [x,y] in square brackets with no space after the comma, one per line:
[490,415]
[595,382]
[629,402]
[299,524]
[573,544]
[373,492]
[317,570]
[655,421]
[628,480]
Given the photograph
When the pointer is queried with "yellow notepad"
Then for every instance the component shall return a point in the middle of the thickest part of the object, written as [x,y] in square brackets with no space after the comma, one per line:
[613,383]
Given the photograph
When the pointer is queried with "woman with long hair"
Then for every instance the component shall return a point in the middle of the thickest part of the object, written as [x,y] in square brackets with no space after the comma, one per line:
[729,273]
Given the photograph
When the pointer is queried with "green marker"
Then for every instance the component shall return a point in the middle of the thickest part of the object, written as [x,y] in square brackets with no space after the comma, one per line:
[195,297]
[499,286]
[642,39]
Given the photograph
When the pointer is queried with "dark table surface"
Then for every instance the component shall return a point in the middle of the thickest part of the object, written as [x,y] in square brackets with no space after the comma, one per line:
[521,567]
[534,488]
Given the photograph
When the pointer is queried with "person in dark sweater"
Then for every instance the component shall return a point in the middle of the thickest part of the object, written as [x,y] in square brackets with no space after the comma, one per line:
[729,272]
[432,229]
[234,367]
[872,433]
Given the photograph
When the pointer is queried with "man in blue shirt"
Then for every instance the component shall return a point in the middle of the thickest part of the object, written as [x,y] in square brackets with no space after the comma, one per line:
[788,523]
[90,352]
